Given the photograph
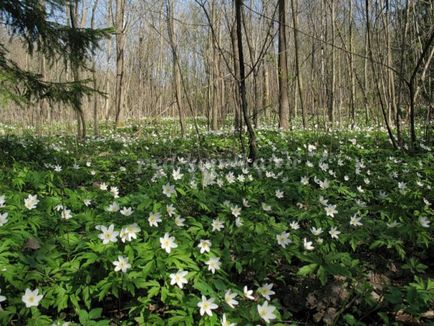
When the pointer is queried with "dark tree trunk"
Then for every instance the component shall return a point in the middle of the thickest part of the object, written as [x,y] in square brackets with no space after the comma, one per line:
[242,84]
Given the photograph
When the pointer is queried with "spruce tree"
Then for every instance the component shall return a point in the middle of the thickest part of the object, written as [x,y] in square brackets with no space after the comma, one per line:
[33,22]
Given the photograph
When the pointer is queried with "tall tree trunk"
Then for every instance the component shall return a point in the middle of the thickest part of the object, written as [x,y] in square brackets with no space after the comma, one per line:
[390,73]
[238,122]
[404,31]
[366,92]
[120,58]
[72,9]
[175,65]
[216,74]
[160,64]
[283,69]
[95,96]
[242,82]
[332,73]
[352,72]
[314,101]
[222,87]
[265,89]
[427,51]
[43,105]
[209,73]
[107,99]
[251,47]
[323,92]
[375,74]
[294,10]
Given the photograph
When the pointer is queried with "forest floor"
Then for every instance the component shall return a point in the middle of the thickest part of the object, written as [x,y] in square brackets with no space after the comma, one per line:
[141,226]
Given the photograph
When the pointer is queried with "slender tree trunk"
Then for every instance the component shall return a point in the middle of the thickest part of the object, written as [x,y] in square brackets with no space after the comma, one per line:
[314,103]
[160,64]
[95,96]
[250,46]
[242,82]
[426,51]
[294,10]
[375,74]
[265,90]
[237,106]
[120,58]
[352,72]
[424,73]
[43,105]
[366,80]
[332,76]
[222,86]
[390,74]
[255,100]
[175,64]
[78,106]
[216,74]
[209,92]
[283,69]
[323,37]
[107,99]
[404,31]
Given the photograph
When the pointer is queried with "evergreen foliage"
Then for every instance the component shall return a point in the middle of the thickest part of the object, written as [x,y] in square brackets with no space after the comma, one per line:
[33,22]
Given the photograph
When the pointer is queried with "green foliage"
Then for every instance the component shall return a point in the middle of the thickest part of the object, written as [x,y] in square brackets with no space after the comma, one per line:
[358,263]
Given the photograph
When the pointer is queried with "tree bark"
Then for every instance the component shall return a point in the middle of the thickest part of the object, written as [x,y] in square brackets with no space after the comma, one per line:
[332,73]
[265,90]
[375,74]
[390,74]
[294,10]
[238,122]
[283,69]
[412,84]
[216,74]
[81,123]
[120,58]
[242,82]
[175,65]
[352,72]
[94,79]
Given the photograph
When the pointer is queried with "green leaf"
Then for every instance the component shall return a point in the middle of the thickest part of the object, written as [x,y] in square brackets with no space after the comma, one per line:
[152,292]
[164,293]
[307,269]
[322,275]
[350,319]
[95,313]
[83,317]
